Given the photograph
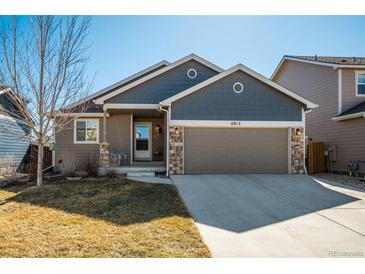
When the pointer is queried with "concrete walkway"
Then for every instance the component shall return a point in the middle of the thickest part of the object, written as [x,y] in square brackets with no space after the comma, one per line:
[275,215]
[151,179]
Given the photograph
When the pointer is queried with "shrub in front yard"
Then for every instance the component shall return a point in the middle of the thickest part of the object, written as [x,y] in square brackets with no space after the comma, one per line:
[8,165]
[69,168]
[91,167]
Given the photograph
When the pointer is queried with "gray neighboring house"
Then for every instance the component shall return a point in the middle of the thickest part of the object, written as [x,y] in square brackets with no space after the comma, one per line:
[14,131]
[337,85]
[190,117]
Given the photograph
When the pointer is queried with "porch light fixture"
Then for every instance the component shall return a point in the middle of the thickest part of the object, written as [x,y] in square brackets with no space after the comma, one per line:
[297,131]
[158,128]
[176,130]
[192,73]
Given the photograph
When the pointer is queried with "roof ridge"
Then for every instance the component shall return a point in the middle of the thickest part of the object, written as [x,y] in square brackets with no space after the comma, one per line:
[329,56]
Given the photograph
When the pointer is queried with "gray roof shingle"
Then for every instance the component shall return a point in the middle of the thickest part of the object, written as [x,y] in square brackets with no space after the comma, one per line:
[356,109]
[336,60]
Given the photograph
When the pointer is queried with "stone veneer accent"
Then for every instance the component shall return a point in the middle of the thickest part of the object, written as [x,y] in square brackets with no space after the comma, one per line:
[297,150]
[104,154]
[176,150]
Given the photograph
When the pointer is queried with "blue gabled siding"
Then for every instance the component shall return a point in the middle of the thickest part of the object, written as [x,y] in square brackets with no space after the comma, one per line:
[218,101]
[165,85]
[13,139]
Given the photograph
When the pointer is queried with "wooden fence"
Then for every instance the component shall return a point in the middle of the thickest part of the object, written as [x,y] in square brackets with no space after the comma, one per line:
[315,157]
[30,161]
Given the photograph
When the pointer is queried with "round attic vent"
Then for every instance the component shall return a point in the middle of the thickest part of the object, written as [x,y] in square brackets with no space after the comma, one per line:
[191,73]
[238,87]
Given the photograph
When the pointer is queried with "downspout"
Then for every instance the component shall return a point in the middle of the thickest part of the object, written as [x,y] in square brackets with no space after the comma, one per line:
[305,147]
[167,137]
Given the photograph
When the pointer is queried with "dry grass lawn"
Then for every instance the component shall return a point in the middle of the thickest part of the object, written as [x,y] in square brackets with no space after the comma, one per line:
[100,218]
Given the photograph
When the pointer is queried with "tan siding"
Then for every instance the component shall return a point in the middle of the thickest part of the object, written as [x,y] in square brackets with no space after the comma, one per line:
[349,98]
[320,85]
[66,150]
[227,150]
[118,134]
[349,137]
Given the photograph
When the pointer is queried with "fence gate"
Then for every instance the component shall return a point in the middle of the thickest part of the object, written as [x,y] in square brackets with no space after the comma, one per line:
[315,156]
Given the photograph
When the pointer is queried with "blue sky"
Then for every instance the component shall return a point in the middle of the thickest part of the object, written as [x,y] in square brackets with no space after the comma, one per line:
[123,45]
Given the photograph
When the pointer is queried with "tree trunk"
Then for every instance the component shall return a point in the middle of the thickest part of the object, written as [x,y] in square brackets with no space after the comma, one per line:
[40,164]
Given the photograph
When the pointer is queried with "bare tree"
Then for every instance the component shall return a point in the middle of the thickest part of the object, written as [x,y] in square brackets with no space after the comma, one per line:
[42,62]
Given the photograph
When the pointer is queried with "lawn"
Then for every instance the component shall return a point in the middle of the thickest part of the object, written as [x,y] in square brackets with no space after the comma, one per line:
[97,218]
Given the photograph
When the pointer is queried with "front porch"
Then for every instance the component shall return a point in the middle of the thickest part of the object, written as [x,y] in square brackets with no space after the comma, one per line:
[136,169]
[133,141]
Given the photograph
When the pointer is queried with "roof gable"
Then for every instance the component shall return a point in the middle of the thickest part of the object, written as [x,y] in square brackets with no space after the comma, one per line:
[246,70]
[171,66]
[122,82]
[10,103]
[163,86]
[218,101]
[329,61]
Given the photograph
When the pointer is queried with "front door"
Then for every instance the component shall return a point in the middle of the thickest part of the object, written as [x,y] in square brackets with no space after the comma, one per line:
[142,142]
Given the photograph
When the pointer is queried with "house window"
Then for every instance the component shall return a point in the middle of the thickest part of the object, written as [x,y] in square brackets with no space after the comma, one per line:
[360,83]
[86,131]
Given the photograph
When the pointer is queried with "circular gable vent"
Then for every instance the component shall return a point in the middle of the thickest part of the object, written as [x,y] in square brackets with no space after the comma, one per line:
[237,87]
[191,73]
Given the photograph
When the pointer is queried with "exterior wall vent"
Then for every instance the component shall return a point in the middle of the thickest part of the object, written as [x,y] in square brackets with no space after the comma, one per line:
[192,73]
[237,87]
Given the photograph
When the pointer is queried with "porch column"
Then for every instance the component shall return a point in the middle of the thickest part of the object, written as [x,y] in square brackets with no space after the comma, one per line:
[297,150]
[104,126]
[176,150]
[104,146]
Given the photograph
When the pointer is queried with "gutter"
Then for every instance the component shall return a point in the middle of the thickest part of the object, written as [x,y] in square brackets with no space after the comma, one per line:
[349,116]
[348,66]
[81,114]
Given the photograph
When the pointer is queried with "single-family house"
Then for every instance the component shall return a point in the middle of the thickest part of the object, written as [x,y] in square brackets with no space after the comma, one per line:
[337,85]
[14,131]
[190,117]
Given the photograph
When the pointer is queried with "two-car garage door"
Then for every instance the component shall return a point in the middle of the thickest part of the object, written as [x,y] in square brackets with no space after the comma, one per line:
[235,150]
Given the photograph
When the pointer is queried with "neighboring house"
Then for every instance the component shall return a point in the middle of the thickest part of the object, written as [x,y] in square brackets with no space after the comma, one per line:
[191,117]
[14,132]
[337,85]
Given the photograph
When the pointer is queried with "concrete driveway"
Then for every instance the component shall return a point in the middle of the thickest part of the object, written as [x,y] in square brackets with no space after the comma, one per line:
[275,215]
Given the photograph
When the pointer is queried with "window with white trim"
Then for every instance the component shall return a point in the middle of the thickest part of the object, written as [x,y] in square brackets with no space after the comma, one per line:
[360,83]
[86,131]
